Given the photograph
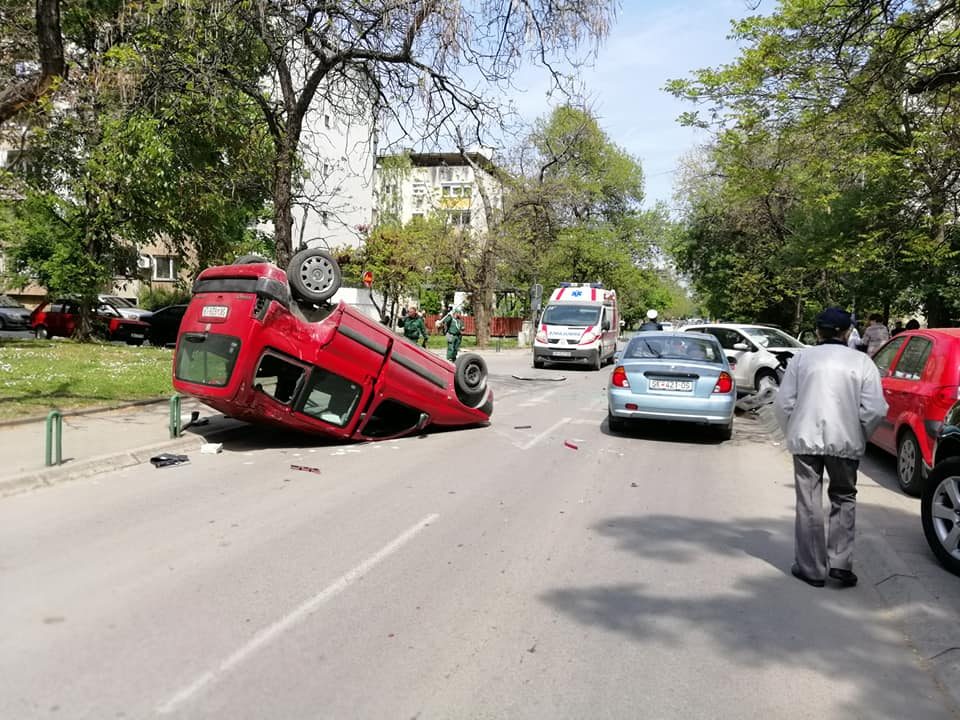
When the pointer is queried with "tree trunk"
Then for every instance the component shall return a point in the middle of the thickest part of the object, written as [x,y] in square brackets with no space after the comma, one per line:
[282,212]
[938,315]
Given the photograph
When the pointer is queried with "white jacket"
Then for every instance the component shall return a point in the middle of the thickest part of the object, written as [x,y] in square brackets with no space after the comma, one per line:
[830,401]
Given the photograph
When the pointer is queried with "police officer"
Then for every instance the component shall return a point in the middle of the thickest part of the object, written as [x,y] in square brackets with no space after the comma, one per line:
[413,326]
[651,324]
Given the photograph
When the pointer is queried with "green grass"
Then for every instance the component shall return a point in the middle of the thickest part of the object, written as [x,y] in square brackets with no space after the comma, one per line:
[39,375]
[470,341]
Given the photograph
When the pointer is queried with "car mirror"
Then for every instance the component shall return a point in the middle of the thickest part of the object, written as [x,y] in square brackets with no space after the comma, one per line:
[741,346]
[605,325]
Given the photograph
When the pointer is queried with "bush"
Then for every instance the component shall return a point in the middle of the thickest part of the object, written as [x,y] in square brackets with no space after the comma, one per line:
[156,298]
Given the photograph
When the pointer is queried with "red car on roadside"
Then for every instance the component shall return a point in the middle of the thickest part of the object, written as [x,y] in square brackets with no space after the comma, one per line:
[62,317]
[250,349]
[920,371]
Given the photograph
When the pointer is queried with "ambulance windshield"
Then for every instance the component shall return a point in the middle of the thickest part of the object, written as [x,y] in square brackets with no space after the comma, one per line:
[571,314]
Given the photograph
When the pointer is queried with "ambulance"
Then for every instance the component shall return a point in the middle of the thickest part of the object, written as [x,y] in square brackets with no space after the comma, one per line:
[579,324]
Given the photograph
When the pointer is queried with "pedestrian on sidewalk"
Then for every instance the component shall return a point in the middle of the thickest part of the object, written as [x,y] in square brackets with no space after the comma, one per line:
[829,403]
[876,334]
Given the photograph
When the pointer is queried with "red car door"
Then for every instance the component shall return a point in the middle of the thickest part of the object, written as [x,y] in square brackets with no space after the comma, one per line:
[884,436]
[908,390]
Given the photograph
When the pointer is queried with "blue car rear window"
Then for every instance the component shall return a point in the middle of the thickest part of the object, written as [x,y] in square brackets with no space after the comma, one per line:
[673,347]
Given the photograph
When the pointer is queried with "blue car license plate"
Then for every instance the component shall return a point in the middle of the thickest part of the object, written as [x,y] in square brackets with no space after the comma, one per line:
[675,385]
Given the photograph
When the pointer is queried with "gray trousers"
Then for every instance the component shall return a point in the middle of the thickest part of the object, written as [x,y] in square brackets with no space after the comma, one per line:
[812,550]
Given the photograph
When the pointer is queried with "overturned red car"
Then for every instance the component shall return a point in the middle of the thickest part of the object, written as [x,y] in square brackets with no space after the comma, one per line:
[259,348]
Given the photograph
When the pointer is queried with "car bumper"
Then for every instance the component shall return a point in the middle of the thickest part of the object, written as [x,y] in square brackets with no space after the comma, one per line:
[714,410]
[564,354]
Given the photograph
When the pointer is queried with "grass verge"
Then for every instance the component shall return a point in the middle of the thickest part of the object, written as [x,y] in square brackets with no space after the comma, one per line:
[37,376]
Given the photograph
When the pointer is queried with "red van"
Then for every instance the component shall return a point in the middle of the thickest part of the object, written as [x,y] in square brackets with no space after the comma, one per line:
[920,371]
[249,349]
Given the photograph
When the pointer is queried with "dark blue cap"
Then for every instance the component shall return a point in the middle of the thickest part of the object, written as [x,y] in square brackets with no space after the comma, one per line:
[834,317]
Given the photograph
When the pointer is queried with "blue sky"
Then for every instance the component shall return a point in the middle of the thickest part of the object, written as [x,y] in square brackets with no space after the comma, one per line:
[652,41]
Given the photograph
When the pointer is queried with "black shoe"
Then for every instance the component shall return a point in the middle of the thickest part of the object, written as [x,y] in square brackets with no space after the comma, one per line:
[846,578]
[795,571]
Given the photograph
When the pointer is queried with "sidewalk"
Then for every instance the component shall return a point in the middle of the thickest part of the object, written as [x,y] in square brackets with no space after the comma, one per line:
[99,441]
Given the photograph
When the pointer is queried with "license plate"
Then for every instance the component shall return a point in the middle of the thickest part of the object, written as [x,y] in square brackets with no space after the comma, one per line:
[218,312]
[675,385]
[136,336]
[561,353]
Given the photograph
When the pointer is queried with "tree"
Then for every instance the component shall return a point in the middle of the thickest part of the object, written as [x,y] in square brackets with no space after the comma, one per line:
[413,66]
[870,82]
[28,85]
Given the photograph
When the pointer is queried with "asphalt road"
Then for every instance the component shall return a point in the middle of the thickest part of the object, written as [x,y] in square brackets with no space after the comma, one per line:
[485,573]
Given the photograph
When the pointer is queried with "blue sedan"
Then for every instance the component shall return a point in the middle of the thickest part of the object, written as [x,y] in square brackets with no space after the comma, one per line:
[672,376]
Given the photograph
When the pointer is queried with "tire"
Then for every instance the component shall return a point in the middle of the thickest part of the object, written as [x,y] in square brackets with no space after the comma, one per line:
[595,362]
[766,378]
[615,424]
[40,332]
[538,363]
[135,343]
[3,323]
[940,513]
[471,374]
[909,464]
[250,260]
[725,432]
[314,275]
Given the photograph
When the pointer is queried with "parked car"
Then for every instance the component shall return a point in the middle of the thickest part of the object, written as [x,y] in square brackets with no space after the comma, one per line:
[13,315]
[672,376]
[940,500]
[920,371]
[760,351]
[251,350]
[165,325]
[61,318]
[125,307]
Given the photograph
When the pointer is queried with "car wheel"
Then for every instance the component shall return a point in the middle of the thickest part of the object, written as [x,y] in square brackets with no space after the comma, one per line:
[538,363]
[766,379]
[596,362]
[41,332]
[314,275]
[940,513]
[471,374]
[909,464]
[726,432]
[614,423]
[250,260]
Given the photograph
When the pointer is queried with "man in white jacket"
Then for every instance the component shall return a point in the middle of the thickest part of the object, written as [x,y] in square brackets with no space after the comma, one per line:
[828,405]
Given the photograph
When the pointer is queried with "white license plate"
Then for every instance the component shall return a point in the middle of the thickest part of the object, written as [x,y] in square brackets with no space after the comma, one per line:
[214,311]
[676,385]
[136,336]
[561,353]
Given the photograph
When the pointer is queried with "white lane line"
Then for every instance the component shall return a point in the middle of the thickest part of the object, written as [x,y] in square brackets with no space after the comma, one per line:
[545,433]
[269,633]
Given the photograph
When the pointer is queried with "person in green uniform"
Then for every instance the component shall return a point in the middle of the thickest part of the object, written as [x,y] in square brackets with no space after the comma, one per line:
[453,328]
[413,327]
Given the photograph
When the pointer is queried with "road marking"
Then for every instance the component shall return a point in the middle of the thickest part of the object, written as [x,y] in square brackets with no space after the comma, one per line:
[545,433]
[269,633]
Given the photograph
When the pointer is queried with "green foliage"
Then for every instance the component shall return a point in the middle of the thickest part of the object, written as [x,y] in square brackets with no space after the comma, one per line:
[154,298]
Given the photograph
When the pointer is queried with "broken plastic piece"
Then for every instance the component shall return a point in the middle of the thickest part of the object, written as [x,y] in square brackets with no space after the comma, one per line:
[305,468]
[211,448]
[558,378]
[167,459]
[570,445]
[522,427]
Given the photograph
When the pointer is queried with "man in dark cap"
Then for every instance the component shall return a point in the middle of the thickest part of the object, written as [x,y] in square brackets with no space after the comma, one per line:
[829,403]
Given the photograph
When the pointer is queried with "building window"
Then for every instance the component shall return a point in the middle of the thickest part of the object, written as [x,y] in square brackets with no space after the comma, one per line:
[326,121]
[455,190]
[459,218]
[325,217]
[164,268]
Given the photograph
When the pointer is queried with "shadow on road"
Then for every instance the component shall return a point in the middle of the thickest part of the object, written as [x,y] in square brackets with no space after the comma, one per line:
[762,621]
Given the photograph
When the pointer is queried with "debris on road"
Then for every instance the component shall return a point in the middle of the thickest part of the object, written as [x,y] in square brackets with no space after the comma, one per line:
[168,459]
[522,427]
[211,448]
[559,378]
[572,446]
[634,485]
[305,468]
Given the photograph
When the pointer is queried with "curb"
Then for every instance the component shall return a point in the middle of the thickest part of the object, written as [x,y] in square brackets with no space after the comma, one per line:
[76,470]
[83,411]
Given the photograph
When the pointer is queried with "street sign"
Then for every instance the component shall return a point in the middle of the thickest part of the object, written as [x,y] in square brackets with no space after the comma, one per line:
[368,278]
